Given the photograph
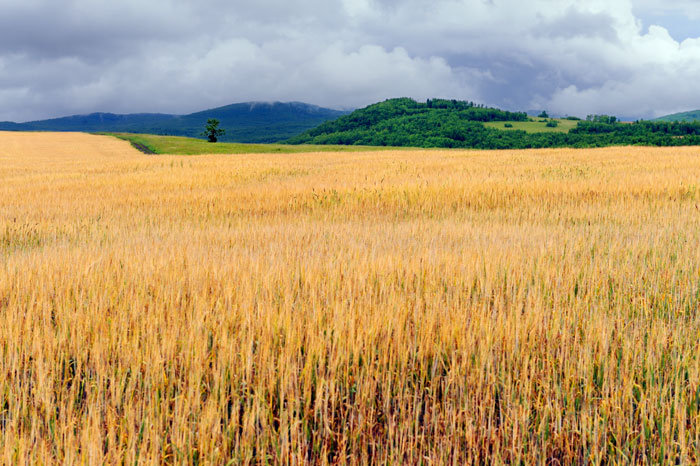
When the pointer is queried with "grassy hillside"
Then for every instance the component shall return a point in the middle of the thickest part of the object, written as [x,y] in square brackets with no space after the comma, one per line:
[534,125]
[245,122]
[178,145]
[693,115]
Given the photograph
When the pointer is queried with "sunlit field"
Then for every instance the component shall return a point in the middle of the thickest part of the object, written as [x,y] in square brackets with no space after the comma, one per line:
[366,308]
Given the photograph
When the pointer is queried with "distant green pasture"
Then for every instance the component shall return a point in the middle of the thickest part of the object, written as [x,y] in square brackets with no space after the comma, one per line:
[177,145]
[534,125]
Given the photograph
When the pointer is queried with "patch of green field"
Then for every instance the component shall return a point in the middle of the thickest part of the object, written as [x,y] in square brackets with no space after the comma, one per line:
[177,145]
[534,125]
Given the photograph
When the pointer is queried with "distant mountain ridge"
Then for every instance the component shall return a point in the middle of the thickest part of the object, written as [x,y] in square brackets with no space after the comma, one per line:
[693,115]
[243,122]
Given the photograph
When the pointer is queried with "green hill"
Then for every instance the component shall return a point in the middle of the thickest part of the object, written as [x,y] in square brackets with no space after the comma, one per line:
[535,125]
[693,115]
[406,122]
[458,124]
[255,122]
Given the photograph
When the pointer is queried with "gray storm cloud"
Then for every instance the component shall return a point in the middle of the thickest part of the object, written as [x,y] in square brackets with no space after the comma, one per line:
[569,56]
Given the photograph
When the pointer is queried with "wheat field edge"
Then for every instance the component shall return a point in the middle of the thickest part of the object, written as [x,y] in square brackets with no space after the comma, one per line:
[402,307]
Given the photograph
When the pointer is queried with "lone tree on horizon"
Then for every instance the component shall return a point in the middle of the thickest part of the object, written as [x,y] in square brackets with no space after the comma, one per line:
[212,130]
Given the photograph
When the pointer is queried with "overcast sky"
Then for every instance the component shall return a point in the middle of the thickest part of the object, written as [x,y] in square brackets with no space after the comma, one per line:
[631,58]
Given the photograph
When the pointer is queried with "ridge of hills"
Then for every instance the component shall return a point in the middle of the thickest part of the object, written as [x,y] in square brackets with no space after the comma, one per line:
[692,115]
[398,122]
[254,122]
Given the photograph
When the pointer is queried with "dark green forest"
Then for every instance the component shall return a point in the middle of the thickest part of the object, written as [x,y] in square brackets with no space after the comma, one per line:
[459,124]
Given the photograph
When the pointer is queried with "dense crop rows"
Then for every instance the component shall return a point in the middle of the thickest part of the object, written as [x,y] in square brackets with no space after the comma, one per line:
[413,306]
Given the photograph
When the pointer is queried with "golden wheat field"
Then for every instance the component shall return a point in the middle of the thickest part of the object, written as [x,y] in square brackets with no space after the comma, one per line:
[434,307]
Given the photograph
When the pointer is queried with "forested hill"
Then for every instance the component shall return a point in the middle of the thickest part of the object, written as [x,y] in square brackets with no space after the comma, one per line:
[243,122]
[406,122]
[450,123]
